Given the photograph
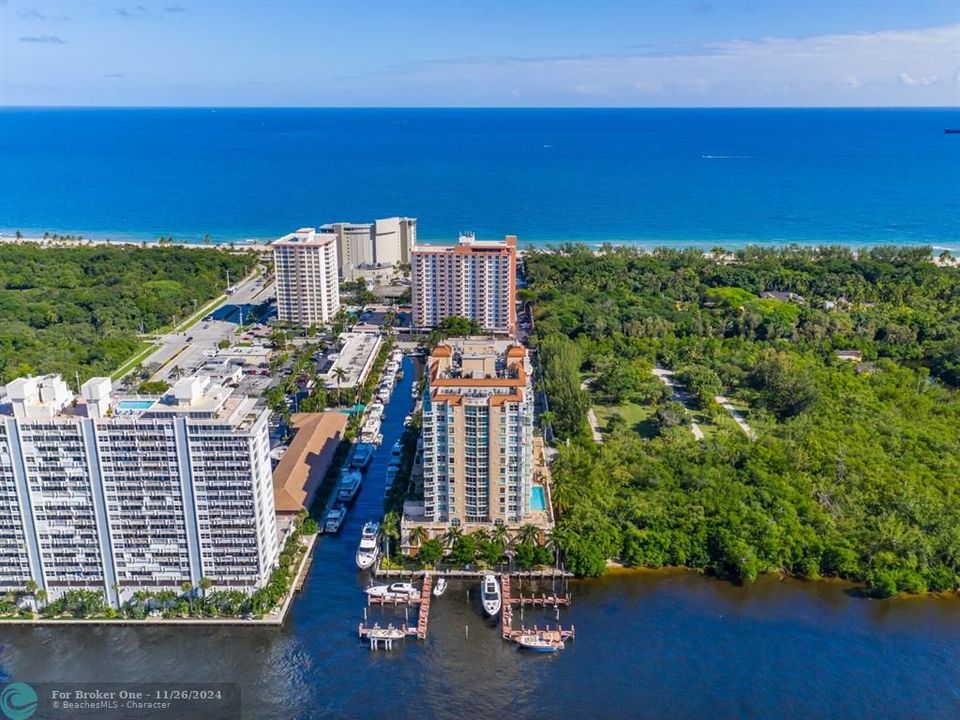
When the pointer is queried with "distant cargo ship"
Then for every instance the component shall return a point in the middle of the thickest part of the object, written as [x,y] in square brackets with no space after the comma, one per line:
[952,131]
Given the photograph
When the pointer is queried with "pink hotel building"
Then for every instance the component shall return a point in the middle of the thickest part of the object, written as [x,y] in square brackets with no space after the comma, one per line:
[474,279]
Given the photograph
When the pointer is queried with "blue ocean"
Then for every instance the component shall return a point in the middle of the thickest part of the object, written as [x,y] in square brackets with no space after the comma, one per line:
[705,177]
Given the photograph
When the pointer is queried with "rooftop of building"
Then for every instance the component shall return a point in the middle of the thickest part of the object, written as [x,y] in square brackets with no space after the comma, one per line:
[356,356]
[475,363]
[332,227]
[303,466]
[303,236]
[467,244]
[197,397]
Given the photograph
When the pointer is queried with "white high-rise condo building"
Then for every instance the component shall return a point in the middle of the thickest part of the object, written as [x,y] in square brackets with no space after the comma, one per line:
[473,279]
[367,246]
[308,289]
[134,493]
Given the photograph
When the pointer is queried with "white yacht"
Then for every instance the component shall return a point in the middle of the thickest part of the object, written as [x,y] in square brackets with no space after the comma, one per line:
[490,595]
[394,591]
[334,519]
[440,588]
[369,547]
[349,485]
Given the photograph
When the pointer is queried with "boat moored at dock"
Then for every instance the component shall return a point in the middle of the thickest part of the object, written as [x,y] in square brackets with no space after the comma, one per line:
[350,481]
[361,455]
[334,519]
[369,547]
[490,595]
[540,643]
[440,588]
[394,591]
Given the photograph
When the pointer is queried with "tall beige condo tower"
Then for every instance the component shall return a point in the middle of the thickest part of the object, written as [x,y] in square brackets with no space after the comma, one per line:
[478,433]
[308,290]
[367,246]
[473,279]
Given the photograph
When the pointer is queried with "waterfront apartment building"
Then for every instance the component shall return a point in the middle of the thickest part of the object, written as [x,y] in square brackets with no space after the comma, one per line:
[478,463]
[473,279]
[366,246]
[122,494]
[308,289]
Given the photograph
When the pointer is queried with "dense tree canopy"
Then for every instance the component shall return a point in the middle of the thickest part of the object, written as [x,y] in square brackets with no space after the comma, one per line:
[80,309]
[855,468]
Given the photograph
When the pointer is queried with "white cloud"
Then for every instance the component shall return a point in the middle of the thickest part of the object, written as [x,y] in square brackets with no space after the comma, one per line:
[908,79]
[898,67]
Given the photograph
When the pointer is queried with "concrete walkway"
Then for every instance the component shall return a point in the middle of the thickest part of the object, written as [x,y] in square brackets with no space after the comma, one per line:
[735,414]
[592,416]
[594,426]
[679,394]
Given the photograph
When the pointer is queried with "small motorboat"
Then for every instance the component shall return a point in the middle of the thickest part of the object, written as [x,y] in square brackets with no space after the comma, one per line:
[394,591]
[490,595]
[369,547]
[539,644]
[350,481]
[334,519]
[440,588]
[396,450]
[407,420]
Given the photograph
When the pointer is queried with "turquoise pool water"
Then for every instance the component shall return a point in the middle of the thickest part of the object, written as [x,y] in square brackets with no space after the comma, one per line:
[135,404]
[538,499]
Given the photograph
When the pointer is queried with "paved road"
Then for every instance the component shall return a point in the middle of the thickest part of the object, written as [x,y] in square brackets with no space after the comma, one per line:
[175,351]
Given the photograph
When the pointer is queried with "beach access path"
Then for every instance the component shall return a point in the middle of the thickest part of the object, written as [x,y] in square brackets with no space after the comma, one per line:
[678,394]
[735,414]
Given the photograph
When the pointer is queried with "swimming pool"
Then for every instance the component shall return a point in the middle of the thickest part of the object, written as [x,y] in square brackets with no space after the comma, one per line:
[538,499]
[135,404]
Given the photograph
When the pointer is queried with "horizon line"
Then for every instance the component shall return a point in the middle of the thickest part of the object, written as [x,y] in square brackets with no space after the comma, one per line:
[479,107]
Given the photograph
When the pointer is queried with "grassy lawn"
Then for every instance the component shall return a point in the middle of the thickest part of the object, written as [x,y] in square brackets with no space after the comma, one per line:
[141,354]
[638,417]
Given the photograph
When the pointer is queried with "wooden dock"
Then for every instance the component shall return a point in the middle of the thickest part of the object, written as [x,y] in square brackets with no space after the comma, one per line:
[423,617]
[393,601]
[379,636]
[546,633]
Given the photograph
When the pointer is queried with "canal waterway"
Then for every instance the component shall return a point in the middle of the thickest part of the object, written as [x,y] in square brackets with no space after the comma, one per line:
[649,645]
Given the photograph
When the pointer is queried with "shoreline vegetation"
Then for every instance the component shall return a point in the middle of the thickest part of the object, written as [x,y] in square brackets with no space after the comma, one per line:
[946,253]
[844,366]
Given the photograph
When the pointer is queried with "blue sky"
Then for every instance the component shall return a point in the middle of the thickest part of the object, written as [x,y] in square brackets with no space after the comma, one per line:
[512,53]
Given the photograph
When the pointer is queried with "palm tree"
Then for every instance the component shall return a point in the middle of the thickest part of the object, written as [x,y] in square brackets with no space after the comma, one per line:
[451,536]
[481,536]
[41,597]
[391,528]
[30,586]
[500,535]
[19,235]
[339,374]
[418,536]
[187,588]
[207,239]
[529,535]
[205,584]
